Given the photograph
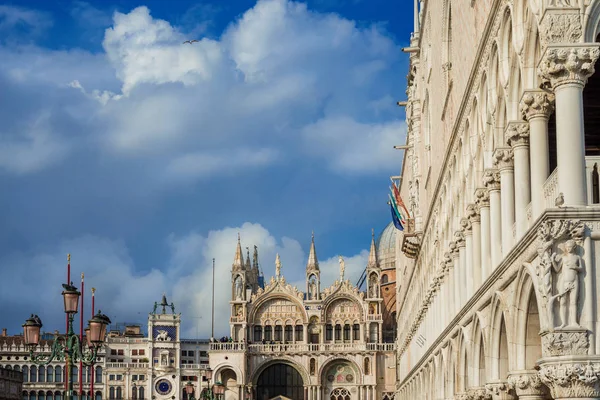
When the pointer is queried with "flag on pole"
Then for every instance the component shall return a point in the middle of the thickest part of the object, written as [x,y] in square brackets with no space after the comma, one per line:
[401,214]
[398,198]
[396,212]
[395,219]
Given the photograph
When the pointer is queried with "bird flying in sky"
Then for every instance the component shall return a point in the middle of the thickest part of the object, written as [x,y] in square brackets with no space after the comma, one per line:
[190,41]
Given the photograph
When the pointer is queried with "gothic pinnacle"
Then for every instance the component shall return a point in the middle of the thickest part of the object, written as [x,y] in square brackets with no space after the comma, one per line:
[372,263]
[238,261]
[313,262]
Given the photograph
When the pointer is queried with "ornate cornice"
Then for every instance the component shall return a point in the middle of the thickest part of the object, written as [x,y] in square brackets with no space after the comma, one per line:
[517,134]
[491,180]
[572,64]
[503,158]
[537,103]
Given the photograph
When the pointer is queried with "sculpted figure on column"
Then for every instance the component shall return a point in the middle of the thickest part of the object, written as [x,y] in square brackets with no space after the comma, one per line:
[564,268]
[569,265]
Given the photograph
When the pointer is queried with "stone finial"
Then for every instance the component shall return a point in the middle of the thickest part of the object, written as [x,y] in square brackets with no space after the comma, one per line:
[238,260]
[517,133]
[313,262]
[372,263]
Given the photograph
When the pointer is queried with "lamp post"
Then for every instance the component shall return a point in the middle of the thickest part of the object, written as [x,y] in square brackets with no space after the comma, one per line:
[213,392]
[69,347]
[189,390]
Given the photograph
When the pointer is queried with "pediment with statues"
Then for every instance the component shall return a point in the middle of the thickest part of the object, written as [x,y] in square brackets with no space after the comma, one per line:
[344,287]
[276,286]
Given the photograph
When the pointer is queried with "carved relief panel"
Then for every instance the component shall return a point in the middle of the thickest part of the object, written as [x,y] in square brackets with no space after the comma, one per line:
[278,309]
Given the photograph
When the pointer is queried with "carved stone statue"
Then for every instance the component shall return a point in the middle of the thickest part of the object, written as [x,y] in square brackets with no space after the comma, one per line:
[374,286]
[238,288]
[342,267]
[313,290]
[163,336]
[277,266]
[155,307]
[569,264]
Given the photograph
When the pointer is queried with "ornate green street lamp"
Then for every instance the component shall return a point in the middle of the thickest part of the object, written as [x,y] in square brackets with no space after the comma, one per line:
[68,347]
[189,390]
[213,392]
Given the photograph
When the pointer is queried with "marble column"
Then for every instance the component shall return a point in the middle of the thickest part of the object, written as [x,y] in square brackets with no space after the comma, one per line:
[459,238]
[482,201]
[455,277]
[503,160]
[467,230]
[491,180]
[475,235]
[449,285]
[567,69]
[528,385]
[517,136]
[536,107]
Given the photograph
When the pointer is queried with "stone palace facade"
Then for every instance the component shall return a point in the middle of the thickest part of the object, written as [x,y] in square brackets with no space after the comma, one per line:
[500,265]
[312,344]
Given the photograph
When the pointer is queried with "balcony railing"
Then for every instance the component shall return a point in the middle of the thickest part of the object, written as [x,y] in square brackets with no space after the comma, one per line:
[127,365]
[228,346]
[194,366]
[374,317]
[551,190]
[320,347]
[126,340]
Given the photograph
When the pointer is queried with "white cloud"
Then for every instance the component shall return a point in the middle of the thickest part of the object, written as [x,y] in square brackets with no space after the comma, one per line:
[11,17]
[126,294]
[354,147]
[275,77]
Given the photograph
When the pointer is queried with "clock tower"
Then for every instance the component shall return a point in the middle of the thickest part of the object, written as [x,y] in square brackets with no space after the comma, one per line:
[165,348]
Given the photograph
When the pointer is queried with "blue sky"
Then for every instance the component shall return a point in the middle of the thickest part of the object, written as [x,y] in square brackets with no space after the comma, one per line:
[143,157]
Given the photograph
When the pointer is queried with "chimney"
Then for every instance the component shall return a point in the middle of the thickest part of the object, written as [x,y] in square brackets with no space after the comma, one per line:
[4,332]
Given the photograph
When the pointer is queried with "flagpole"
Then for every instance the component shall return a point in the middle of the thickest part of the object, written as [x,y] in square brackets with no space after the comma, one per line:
[212,325]
[81,339]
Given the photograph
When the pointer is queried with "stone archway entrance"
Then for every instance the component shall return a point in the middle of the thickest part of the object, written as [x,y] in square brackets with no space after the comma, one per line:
[280,380]
[340,381]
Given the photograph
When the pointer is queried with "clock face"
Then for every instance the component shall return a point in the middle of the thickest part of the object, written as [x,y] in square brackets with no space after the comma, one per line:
[163,387]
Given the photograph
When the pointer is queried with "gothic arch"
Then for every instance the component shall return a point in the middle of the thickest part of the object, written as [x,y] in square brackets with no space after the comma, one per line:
[479,370]
[281,360]
[273,296]
[592,22]
[527,342]
[499,354]
[221,367]
[359,373]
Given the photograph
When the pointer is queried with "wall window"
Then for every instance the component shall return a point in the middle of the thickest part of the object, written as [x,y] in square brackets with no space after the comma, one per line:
[50,374]
[346,332]
[25,373]
[121,352]
[268,330]
[278,332]
[111,393]
[41,374]
[98,374]
[119,393]
[384,278]
[299,333]
[33,374]
[289,333]
[257,334]
[134,352]
[58,374]
[119,377]
[329,332]
[141,393]
[141,352]
[111,377]
[113,352]
[356,332]
[338,332]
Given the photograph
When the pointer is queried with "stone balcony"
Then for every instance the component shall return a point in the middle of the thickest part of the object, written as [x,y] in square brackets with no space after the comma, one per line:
[128,365]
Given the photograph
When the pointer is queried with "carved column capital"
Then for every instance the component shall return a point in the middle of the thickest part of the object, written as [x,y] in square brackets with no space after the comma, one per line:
[473,213]
[517,133]
[572,64]
[478,393]
[503,158]
[453,250]
[491,180]
[527,383]
[537,103]
[571,379]
[448,263]
[466,226]
[500,390]
[459,239]
[482,198]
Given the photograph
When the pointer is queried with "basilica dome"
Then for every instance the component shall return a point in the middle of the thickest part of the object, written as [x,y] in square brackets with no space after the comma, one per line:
[386,247]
